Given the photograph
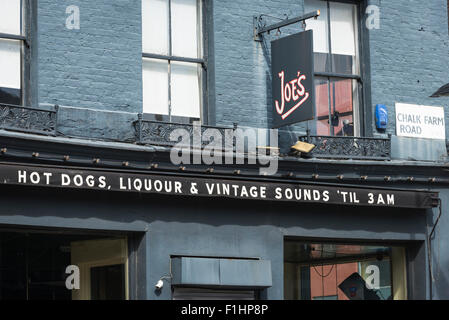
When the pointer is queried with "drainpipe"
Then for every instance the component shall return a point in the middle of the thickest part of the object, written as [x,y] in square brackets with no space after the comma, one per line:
[429,250]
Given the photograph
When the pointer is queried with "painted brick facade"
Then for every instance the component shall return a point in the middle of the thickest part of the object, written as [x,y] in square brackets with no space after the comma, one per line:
[409,54]
[98,68]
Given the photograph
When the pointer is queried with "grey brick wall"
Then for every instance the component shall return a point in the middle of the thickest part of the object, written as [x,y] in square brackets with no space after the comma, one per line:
[99,65]
[243,66]
[409,54]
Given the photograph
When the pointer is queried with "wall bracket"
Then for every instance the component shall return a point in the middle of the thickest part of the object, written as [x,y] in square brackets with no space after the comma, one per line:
[259,28]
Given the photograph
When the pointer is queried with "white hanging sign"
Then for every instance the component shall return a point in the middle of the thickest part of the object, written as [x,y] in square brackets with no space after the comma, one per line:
[420,121]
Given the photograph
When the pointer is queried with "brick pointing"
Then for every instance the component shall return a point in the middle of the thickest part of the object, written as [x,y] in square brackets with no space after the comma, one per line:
[97,66]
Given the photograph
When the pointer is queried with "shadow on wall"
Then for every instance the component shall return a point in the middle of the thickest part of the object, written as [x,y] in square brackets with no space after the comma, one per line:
[118,210]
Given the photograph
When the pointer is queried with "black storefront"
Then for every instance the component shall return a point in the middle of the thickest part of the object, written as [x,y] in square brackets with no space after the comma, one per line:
[131,218]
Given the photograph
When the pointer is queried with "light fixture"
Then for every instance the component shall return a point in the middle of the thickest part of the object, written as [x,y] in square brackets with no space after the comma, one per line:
[303,147]
[160,283]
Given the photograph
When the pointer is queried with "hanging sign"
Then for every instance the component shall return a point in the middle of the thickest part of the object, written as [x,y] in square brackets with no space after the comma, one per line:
[153,183]
[292,79]
[420,121]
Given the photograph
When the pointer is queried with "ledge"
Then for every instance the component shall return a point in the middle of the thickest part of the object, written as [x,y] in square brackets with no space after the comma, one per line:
[121,146]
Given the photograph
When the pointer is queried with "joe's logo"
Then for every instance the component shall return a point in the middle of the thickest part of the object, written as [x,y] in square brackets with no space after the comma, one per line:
[292,90]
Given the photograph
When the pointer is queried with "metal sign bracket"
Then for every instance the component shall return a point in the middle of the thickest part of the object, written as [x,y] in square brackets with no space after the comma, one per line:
[260,28]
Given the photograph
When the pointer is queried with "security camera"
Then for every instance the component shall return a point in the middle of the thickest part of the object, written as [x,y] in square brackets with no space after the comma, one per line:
[159,284]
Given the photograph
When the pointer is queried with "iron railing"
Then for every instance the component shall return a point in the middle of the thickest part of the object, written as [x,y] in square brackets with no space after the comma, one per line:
[163,133]
[358,148]
[44,121]
[26,119]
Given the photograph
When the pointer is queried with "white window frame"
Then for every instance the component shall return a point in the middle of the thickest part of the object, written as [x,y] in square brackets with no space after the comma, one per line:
[200,61]
[23,38]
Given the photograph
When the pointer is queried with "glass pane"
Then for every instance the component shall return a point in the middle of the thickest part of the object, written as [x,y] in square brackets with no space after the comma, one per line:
[342,98]
[155,86]
[10,66]
[342,93]
[322,106]
[324,280]
[332,271]
[10,17]
[343,37]
[155,26]
[345,126]
[185,89]
[185,28]
[320,33]
[321,62]
[108,282]
[383,266]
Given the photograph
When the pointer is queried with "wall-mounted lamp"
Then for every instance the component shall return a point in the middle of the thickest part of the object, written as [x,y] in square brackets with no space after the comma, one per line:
[160,283]
[303,147]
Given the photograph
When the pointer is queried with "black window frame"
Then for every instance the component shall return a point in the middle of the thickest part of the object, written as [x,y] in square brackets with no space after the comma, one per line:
[200,61]
[330,76]
[24,37]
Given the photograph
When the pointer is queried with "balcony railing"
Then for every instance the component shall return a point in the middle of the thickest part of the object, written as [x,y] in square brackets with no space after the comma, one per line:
[361,148]
[160,133]
[26,119]
[44,121]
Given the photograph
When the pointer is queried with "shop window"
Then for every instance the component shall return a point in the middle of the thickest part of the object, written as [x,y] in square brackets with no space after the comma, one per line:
[337,72]
[329,271]
[173,61]
[33,266]
[11,51]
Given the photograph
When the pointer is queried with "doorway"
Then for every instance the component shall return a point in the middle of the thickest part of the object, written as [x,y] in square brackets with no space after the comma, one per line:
[339,271]
[33,265]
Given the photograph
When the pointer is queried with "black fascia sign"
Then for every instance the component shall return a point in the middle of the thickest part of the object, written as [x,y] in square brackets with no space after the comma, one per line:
[203,186]
[292,79]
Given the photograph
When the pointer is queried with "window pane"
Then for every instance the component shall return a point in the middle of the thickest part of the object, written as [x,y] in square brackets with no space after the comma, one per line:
[10,17]
[184,21]
[155,26]
[155,86]
[108,282]
[343,37]
[185,89]
[10,56]
[319,26]
[343,92]
[342,272]
[322,106]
